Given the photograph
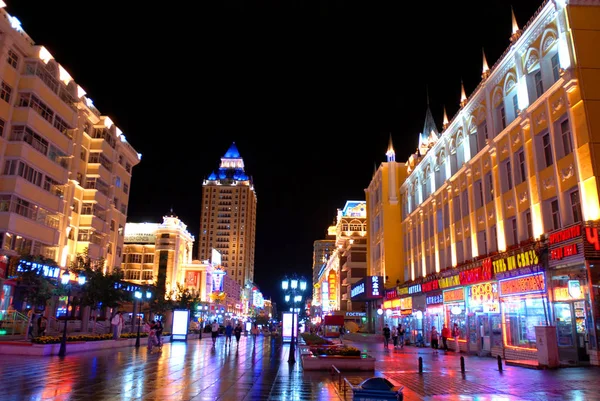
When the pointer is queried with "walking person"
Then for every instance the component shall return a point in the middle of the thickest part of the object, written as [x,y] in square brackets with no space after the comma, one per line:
[237,332]
[228,333]
[159,331]
[214,331]
[342,332]
[395,336]
[386,335]
[456,334]
[150,328]
[30,318]
[114,322]
[445,334]
[255,332]
[41,326]
[401,333]
[434,339]
[121,324]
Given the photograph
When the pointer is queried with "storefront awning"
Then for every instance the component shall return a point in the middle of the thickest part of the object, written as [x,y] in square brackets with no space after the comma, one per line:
[334,320]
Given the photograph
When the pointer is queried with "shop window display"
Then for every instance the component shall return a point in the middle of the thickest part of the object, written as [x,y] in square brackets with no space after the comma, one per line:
[521,315]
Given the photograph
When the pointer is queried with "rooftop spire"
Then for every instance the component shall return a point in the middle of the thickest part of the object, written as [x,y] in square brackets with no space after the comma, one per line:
[516,32]
[463,96]
[391,155]
[445,122]
[486,70]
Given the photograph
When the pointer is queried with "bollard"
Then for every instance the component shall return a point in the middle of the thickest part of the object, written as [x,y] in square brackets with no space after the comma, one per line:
[420,365]
[462,364]
[499,364]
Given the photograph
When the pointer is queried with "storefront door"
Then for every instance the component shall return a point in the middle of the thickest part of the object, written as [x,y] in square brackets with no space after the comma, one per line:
[571,339]
[484,331]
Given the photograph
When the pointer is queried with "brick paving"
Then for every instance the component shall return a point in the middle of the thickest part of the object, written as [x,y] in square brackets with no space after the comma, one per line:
[195,371]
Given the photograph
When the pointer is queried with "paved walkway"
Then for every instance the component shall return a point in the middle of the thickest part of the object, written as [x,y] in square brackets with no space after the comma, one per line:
[197,371]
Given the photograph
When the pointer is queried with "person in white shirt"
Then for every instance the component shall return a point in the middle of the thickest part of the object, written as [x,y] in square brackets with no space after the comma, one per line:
[214,332]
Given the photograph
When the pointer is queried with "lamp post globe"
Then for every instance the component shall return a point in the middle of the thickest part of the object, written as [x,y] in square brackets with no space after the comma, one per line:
[293,288]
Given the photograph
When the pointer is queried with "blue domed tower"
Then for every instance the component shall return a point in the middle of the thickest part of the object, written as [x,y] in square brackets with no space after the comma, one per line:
[228,219]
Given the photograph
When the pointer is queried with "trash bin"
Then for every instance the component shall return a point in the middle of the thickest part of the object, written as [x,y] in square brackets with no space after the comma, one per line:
[377,388]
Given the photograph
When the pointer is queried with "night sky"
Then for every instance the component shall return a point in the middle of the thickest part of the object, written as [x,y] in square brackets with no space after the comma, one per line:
[309,91]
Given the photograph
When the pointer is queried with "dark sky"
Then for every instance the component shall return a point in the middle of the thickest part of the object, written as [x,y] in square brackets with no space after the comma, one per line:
[309,91]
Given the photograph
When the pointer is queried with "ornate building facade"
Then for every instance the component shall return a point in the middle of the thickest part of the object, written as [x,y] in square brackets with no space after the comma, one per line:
[500,211]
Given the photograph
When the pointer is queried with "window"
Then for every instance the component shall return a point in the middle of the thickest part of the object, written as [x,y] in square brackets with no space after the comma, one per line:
[509,179]
[515,232]
[5,92]
[118,182]
[2,124]
[522,173]
[576,207]
[529,225]
[494,231]
[502,118]
[490,188]
[12,59]
[126,188]
[465,203]
[112,225]
[555,214]
[555,67]
[30,100]
[515,102]
[567,141]
[521,317]
[539,86]
[479,196]
[547,150]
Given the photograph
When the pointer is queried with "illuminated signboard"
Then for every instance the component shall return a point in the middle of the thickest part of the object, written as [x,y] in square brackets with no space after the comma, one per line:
[140,233]
[434,299]
[47,271]
[529,284]
[482,293]
[367,288]
[413,289]
[192,279]
[406,303]
[181,319]
[455,295]
[287,325]
[215,257]
[325,296]
[217,280]
[518,260]
[332,289]
[391,294]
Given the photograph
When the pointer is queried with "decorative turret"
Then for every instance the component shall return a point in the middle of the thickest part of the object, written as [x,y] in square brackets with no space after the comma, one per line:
[445,122]
[516,32]
[463,96]
[486,70]
[391,155]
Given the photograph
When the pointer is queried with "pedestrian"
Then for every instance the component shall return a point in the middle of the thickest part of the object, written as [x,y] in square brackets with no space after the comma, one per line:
[214,331]
[237,332]
[150,328]
[228,333]
[255,332]
[445,334]
[401,333]
[114,322]
[395,336]
[434,339]
[41,326]
[386,335]
[342,332]
[30,317]
[121,323]
[159,331]
[456,334]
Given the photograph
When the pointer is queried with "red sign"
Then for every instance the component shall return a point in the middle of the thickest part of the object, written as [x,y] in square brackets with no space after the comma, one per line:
[565,235]
[191,279]
[531,283]
[471,276]
[563,252]
[591,234]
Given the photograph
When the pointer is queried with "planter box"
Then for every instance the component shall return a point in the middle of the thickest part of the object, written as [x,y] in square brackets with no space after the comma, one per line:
[7,348]
[352,363]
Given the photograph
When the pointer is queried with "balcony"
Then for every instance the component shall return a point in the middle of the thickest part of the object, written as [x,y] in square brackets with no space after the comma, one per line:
[28,116]
[37,77]
[28,228]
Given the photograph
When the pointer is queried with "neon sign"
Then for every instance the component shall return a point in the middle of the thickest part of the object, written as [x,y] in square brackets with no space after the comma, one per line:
[529,284]
[457,294]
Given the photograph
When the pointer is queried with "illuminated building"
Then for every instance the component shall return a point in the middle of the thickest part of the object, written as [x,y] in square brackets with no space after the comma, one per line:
[322,250]
[384,233]
[161,253]
[66,169]
[228,218]
[348,263]
[513,173]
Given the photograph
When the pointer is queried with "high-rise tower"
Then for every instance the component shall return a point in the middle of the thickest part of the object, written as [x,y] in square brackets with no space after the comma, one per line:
[228,218]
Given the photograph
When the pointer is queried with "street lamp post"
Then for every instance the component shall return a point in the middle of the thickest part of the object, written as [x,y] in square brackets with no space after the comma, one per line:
[65,280]
[294,288]
[138,296]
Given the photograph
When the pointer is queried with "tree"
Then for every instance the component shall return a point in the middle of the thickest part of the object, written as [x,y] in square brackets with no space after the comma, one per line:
[186,298]
[100,289]
[34,286]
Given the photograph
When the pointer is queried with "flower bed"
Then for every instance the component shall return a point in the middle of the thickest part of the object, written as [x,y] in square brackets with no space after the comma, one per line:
[333,351]
[344,358]
[313,339]
[86,337]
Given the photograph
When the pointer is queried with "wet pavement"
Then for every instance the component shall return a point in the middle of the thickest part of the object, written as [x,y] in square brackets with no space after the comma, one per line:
[197,371]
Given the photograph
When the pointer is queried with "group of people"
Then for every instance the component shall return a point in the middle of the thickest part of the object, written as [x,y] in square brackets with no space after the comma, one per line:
[229,331]
[155,331]
[397,334]
[446,334]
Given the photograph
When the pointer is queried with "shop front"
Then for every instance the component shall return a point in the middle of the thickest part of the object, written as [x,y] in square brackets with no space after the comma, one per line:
[570,280]
[369,290]
[434,314]
[455,309]
[485,321]
[523,305]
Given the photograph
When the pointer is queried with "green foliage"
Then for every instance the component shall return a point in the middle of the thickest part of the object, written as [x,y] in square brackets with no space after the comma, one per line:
[337,351]
[99,288]
[186,298]
[34,286]
[313,339]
